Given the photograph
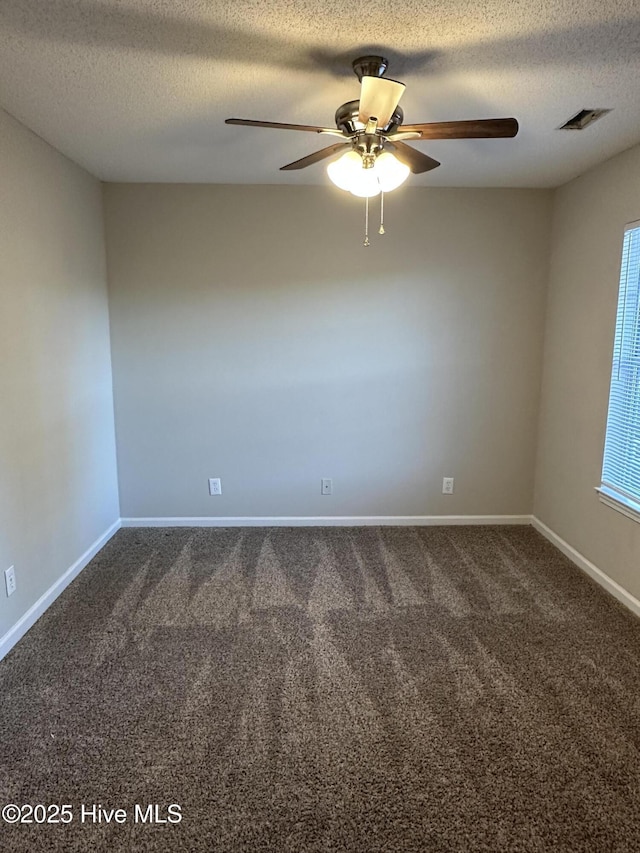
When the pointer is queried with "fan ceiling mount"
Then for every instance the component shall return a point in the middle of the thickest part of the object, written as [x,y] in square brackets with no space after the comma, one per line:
[369,66]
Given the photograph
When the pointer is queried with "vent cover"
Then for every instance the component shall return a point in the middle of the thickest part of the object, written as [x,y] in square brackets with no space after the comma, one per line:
[583,119]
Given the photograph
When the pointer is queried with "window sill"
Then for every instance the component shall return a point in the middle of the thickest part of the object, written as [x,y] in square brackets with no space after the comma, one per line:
[627,506]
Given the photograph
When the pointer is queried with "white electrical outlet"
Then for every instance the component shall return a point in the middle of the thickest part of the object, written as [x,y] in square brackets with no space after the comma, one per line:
[10,580]
[447,485]
[215,486]
[326,486]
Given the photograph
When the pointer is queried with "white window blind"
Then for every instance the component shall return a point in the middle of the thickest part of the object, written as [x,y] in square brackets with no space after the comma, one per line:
[621,465]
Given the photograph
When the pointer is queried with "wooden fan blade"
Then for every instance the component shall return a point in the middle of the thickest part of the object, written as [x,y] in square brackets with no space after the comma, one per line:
[310,159]
[310,128]
[486,128]
[415,160]
[378,99]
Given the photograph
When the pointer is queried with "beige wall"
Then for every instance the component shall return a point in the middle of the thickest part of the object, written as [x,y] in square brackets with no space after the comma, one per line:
[589,219]
[255,339]
[58,488]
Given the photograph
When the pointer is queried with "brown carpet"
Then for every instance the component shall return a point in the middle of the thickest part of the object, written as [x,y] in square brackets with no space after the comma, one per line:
[335,689]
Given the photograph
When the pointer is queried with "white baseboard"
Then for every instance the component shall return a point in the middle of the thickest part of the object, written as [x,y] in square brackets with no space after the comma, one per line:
[17,631]
[326,521]
[587,566]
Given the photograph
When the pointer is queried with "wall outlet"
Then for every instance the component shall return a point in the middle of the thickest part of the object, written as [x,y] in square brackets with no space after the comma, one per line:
[10,580]
[215,486]
[326,486]
[447,485]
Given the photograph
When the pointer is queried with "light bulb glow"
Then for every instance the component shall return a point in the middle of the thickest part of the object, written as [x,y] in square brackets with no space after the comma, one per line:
[390,172]
[344,170]
[348,173]
[365,184]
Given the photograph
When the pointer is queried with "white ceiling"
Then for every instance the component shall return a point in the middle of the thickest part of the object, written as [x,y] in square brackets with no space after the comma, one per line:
[138,90]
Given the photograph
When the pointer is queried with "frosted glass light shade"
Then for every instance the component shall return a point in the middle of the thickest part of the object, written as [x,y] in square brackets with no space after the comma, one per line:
[348,173]
[390,172]
[365,184]
[344,171]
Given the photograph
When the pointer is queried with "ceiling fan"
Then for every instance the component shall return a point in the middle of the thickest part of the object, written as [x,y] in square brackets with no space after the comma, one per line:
[375,157]
[374,122]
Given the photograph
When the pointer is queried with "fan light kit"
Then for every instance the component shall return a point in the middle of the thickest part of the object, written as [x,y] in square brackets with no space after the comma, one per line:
[382,174]
[374,157]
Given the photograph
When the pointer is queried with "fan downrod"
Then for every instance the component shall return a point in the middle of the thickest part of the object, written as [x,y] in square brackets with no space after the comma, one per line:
[369,66]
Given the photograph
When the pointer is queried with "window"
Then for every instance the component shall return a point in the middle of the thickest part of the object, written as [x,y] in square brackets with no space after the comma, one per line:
[621,466]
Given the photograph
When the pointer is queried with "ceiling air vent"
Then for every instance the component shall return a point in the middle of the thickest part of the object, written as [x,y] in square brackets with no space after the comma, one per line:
[583,119]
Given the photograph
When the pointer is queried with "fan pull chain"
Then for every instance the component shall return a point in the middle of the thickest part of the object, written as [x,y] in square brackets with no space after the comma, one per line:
[381,229]
[366,222]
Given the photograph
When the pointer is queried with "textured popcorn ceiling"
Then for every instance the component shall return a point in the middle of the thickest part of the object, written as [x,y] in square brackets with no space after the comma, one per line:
[138,90]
